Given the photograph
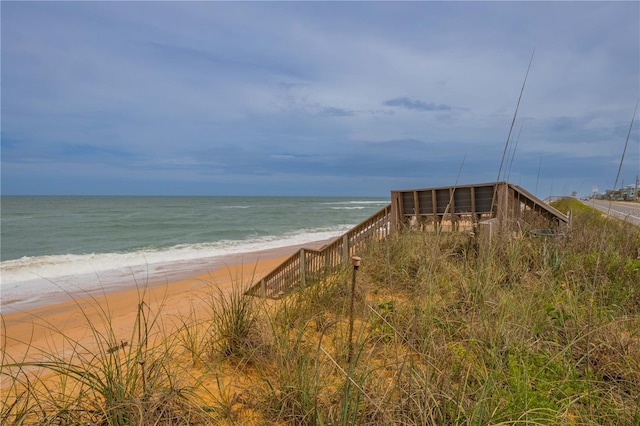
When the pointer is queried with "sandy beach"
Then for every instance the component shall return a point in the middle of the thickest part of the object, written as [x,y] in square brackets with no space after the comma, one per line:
[47,329]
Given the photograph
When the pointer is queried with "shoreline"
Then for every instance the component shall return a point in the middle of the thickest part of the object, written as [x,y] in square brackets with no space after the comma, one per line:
[150,275]
[33,332]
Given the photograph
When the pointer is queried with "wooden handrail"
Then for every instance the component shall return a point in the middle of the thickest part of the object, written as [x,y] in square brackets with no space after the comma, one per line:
[310,266]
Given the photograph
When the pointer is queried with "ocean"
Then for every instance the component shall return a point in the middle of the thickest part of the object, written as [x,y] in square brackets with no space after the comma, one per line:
[52,246]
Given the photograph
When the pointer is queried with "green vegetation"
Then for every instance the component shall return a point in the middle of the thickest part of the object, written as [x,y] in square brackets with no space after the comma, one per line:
[532,330]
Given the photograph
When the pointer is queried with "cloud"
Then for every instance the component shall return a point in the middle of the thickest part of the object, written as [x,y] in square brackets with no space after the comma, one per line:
[416,105]
[336,112]
[331,96]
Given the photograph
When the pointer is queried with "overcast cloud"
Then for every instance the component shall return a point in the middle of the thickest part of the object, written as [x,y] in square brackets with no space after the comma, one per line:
[320,98]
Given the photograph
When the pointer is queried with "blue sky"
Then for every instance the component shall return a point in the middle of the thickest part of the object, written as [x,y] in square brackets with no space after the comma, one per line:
[315,98]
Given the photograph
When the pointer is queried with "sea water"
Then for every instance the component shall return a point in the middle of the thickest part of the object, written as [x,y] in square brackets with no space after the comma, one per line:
[52,246]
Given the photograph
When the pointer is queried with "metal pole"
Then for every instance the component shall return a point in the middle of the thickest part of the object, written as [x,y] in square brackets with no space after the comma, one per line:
[355,261]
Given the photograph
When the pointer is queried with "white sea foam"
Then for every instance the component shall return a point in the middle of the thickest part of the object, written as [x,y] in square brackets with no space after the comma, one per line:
[32,281]
[355,204]
[366,202]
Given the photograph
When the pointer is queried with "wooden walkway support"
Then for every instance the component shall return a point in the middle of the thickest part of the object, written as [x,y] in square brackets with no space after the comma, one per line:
[309,266]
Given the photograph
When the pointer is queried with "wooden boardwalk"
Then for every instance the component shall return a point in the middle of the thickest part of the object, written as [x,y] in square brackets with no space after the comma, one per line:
[491,206]
[471,205]
[309,266]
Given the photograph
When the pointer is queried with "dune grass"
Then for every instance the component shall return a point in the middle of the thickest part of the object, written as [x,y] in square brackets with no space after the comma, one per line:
[528,331]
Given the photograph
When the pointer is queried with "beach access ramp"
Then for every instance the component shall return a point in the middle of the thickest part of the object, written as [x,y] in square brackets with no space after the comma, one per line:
[484,209]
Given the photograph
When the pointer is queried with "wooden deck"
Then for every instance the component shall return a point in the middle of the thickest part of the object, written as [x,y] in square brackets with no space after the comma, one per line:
[469,205]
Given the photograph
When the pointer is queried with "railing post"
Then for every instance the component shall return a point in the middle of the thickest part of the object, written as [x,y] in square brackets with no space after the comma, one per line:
[303,269]
[345,248]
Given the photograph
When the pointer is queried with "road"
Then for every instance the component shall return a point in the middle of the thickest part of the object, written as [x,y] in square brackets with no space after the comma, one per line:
[624,210]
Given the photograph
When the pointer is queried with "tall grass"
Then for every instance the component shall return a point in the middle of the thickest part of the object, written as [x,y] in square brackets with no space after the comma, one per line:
[102,380]
[528,331]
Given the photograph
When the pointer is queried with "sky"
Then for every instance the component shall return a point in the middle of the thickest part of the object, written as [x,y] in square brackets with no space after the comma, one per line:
[317,98]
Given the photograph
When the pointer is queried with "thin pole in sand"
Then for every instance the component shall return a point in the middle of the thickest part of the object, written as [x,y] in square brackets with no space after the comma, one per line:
[355,261]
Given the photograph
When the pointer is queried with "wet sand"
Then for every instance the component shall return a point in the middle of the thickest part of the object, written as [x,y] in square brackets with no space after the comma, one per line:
[39,332]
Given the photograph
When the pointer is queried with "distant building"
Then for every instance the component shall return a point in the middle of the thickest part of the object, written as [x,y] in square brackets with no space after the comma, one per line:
[611,194]
[629,193]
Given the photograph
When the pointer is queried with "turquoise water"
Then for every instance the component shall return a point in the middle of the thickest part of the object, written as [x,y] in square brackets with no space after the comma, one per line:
[68,239]
[44,225]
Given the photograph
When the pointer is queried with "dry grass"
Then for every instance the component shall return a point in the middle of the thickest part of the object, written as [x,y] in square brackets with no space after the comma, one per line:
[529,331]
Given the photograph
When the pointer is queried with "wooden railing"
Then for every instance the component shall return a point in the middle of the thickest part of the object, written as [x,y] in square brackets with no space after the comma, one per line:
[309,266]
[477,202]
